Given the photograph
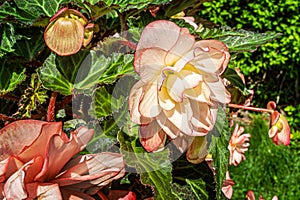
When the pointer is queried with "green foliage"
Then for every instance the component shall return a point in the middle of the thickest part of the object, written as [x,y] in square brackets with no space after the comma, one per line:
[268,170]
[272,71]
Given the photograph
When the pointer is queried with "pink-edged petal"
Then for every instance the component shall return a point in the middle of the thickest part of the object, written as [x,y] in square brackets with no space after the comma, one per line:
[250,195]
[171,130]
[151,63]
[197,151]
[152,136]
[92,169]
[38,147]
[180,117]
[283,137]
[202,119]
[227,186]
[219,92]
[121,195]
[75,195]
[161,34]
[17,136]
[60,150]
[275,198]
[164,99]
[14,187]
[9,166]
[211,56]
[200,93]
[177,82]
[149,106]
[45,191]
[183,45]
[135,96]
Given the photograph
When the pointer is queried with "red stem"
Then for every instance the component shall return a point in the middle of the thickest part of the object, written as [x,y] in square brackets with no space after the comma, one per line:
[250,108]
[51,107]
[102,196]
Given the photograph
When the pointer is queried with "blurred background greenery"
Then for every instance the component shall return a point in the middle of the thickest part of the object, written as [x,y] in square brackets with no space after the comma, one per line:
[273,73]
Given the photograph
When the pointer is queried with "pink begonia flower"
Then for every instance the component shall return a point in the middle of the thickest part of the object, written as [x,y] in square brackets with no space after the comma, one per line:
[279,127]
[250,196]
[238,145]
[227,186]
[36,161]
[179,87]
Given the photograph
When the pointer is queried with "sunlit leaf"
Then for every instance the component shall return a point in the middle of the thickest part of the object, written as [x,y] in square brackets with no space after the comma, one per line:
[12,74]
[218,149]
[237,40]
[40,7]
[128,4]
[8,38]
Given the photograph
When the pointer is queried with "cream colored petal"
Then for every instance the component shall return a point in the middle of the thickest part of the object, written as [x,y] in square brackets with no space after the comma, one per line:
[14,187]
[180,116]
[133,104]
[202,118]
[175,86]
[164,99]
[183,45]
[219,92]
[182,142]
[161,34]
[170,129]
[200,93]
[149,106]
[152,61]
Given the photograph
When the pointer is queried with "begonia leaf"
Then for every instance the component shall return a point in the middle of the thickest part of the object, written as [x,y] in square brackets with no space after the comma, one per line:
[218,148]
[82,71]
[12,74]
[8,38]
[239,40]
[155,168]
[40,7]
[9,8]
[133,4]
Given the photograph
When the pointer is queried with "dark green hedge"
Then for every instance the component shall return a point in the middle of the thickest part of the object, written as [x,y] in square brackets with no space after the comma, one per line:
[273,70]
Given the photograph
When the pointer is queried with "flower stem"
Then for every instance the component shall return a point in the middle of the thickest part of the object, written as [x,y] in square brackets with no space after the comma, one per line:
[250,108]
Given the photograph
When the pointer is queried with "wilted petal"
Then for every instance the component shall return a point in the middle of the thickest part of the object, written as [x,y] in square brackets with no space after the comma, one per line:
[15,137]
[280,132]
[227,186]
[152,136]
[197,151]
[45,191]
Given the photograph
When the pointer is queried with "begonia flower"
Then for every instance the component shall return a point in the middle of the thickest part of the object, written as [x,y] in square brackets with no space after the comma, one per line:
[37,160]
[238,145]
[68,31]
[179,88]
[279,130]
[250,196]
[227,186]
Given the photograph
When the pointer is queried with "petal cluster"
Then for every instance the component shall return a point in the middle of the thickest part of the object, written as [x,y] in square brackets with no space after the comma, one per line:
[179,87]
[36,160]
[238,145]
[67,31]
[250,196]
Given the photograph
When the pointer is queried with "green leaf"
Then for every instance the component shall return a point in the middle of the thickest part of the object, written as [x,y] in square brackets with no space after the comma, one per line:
[12,74]
[40,7]
[101,106]
[239,40]
[232,76]
[218,148]
[52,78]
[133,4]
[9,8]
[155,168]
[8,38]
